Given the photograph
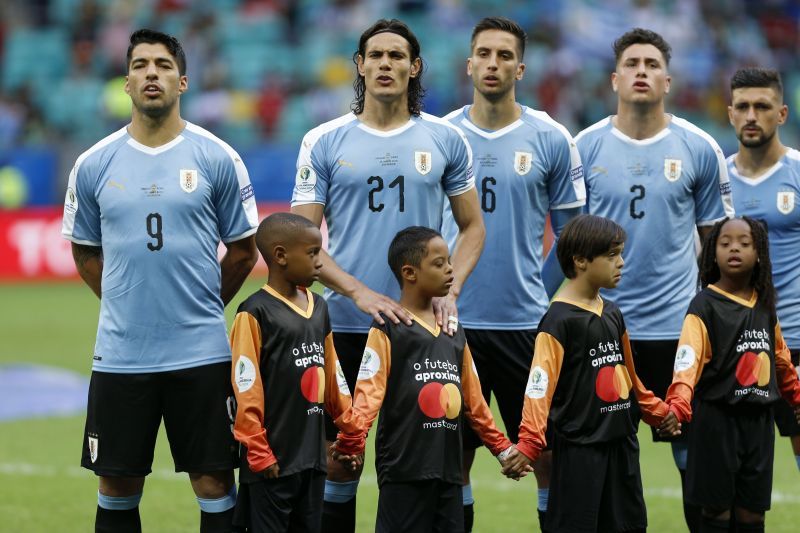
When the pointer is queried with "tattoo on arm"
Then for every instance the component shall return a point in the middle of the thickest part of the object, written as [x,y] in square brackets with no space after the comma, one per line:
[82,254]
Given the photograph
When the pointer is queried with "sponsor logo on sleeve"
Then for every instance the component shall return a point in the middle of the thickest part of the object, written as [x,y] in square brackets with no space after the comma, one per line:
[537,383]
[71,201]
[245,374]
[684,358]
[246,192]
[725,188]
[370,364]
[576,173]
[306,179]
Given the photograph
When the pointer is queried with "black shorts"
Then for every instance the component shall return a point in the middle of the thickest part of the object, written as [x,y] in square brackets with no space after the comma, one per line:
[503,360]
[655,362]
[430,505]
[292,503]
[784,414]
[349,350]
[730,459]
[596,487]
[125,410]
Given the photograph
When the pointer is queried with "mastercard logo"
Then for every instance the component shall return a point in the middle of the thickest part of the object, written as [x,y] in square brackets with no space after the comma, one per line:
[437,400]
[613,383]
[753,369]
[312,384]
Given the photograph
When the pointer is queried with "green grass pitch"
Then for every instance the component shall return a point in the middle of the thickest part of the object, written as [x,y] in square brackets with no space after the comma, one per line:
[44,489]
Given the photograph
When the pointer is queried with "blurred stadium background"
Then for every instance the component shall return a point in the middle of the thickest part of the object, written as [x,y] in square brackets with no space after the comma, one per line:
[261,73]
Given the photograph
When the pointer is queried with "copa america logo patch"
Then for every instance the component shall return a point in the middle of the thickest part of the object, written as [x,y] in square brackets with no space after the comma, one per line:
[71,201]
[306,179]
[370,364]
[537,383]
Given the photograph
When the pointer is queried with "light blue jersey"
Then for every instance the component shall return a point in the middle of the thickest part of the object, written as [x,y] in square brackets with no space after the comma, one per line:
[658,189]
[522,171]
[774,197]
[373,184]
[159,215]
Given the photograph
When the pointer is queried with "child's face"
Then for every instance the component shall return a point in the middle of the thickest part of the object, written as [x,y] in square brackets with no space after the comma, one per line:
[736,255]
[435,273]
[605,270]
[303,262]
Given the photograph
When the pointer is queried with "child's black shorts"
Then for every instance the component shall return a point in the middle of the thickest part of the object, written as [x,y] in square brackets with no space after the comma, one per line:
[429,505]
[125,411]
[784,414]
[291,503]
[730,457]
[596,487]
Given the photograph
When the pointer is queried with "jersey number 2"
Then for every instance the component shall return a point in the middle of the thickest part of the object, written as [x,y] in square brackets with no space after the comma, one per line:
[154,230]
[638,191]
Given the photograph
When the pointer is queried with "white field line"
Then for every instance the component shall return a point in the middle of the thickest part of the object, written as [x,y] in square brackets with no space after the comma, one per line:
[367,480]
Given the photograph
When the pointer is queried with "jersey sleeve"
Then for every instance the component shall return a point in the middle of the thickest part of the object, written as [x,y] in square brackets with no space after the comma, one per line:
[548,356]
[337,393]
[248,427]
[712,191]
[653,409]
[694,352]
[312,178]
[477,411]
[234,199]
[458,177]
[565,186]
[785,371]
[373,375]
[81,222]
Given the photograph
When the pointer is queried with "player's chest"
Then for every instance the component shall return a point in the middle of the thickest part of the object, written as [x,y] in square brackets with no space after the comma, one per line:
[153,185]
[514,167]
[774,201]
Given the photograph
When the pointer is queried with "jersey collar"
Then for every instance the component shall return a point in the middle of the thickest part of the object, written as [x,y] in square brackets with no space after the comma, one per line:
[596,309]
[305,313]
[747,303]
[432,330]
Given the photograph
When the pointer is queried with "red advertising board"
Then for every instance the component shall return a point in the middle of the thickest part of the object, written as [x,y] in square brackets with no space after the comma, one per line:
[32,248]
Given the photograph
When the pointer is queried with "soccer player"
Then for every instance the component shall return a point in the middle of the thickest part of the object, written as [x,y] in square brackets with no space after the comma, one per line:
[526,165]
[659,177]
[765,181]
[370,173]
[419,379]
[284,368]
[145,210]
[583,376]
[731,368]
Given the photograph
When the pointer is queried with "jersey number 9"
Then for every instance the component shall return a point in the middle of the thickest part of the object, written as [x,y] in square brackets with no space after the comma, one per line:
[154,231]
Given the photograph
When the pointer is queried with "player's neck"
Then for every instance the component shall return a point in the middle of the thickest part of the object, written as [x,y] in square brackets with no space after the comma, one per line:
[155,132]
[579,290]
[385,115]
[288,290]
[752,162]
[494,115]
[739,287]
[640,122]
[419,304]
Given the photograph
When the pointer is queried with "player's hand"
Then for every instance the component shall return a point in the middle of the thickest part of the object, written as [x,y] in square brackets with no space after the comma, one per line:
[271,472]
[446,313]
[670,427]
[374,303]
[515,464]
[351,462]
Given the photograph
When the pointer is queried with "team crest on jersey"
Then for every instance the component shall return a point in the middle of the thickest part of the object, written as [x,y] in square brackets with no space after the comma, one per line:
[94,446]
[188,180]
[785,202]
[522,162]
[672,169]
[422,161]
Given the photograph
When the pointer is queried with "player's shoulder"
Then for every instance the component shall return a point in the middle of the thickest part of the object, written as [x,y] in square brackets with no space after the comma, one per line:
[594,132]
[456,115]
[439,126]
[693,134]
[101,150]
[792,157]
[541,121]
[213,147]
[330,127]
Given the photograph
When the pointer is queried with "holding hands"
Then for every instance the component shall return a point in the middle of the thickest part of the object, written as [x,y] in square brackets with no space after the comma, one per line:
[515,464]
[670,427]
[351,462]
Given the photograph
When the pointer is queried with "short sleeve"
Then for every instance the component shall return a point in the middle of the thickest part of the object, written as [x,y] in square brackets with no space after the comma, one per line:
[234,198]
[458,177]
[81,221]
[712,190]
[565,186]
[312,178]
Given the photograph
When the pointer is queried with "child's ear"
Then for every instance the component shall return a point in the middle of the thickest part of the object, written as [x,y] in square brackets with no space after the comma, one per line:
[279,253]
[409,273]
[580,263]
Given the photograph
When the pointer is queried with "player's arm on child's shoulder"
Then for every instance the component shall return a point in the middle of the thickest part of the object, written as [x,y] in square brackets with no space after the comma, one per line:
[548,356]
[248,426]
[370,390]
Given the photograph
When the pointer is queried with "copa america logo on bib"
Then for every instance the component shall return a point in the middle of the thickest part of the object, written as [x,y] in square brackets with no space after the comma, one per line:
[522,162]
[785,202]
[422,162]
[188,180]
[672,169]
